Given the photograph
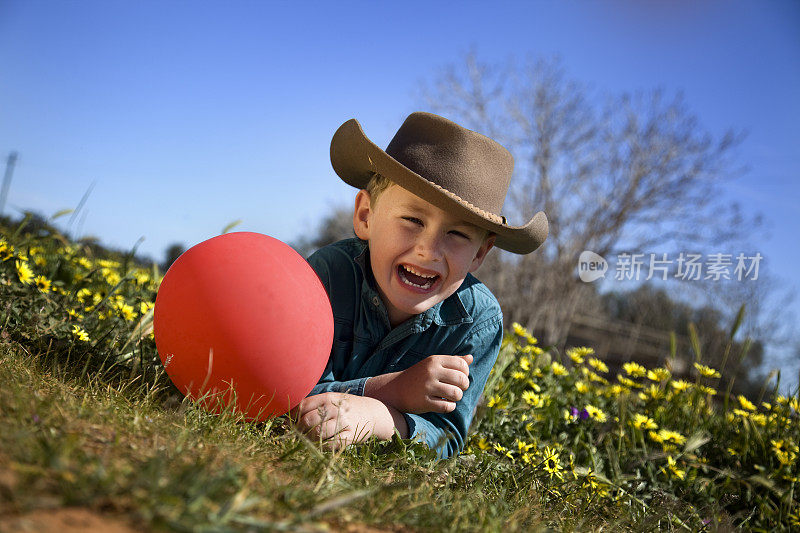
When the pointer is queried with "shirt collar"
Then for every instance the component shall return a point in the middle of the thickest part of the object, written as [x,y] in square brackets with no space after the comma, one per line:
[449,312]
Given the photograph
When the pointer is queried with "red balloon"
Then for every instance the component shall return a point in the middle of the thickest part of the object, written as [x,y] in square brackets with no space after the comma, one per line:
[243,312]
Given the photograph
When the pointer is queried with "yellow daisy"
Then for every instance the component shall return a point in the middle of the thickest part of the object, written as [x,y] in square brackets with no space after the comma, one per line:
[559,369]
[641,421]
[707,371]
[598,364]
[42,283]
[24,272]
[745,403]
[79,333]
[634,369]
[595,413]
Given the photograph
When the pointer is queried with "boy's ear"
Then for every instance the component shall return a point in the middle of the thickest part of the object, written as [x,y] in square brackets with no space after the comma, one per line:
[487,245]
[361,215]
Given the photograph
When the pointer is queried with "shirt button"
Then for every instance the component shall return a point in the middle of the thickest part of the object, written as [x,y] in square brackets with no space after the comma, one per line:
[375,301]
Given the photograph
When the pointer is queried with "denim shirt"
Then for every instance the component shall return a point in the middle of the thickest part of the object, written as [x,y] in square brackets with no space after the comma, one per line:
[365,344]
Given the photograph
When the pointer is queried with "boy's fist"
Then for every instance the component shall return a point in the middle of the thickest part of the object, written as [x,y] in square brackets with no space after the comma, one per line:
[434,384]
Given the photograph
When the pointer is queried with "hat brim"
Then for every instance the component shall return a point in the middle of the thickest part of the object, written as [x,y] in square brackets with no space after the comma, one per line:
[356,159]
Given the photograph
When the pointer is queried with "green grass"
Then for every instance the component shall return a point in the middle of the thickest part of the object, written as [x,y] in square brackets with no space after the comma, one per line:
[91,421]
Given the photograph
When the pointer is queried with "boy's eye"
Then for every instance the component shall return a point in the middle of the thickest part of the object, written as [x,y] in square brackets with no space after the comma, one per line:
[459,234]
[413,220]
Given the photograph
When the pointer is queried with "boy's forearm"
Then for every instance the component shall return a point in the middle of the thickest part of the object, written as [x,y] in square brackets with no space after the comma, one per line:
[379,387]
[389,419]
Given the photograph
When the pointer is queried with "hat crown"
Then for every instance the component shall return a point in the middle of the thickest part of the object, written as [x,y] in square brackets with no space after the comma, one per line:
[467,164]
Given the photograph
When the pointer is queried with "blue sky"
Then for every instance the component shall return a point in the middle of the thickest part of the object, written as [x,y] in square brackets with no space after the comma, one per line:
[188,115]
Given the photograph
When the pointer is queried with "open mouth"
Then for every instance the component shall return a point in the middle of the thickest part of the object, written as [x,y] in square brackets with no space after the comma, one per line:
[416,279]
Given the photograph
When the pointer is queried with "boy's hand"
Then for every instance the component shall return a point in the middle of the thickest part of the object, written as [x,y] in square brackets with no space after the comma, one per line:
[434,384]
[342,419]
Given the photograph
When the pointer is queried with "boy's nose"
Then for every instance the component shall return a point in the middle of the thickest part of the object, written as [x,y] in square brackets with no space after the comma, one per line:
[429,247]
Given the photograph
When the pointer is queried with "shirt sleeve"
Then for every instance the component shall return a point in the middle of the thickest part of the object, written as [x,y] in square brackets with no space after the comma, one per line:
[446,433]
[319,261]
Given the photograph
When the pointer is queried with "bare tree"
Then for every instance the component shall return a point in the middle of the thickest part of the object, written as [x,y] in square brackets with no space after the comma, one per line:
[631,172]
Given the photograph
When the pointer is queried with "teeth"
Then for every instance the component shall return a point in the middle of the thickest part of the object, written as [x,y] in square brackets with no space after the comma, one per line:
[427,284]
[411,269]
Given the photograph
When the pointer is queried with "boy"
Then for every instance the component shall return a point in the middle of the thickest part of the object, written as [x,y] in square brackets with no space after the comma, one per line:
[415,334]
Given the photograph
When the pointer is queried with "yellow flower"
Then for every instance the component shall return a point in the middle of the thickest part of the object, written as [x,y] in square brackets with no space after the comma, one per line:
[85,263]
[532,399]
[643,422]
[6,251]
[519,376]
[745,403]
[144,307]
[597,378]
[578,354]
[83,295]
[482,444]
[667,435]
[126,311]
[39,261]
[680,385]
[658,374]
[794,403]
[634,369]
[107,263]
[42,283]
[74,313]
[706,371]
[595,413]
[112,277]
[617,390]
[525,364]
[782,400]
[559,369]
[598,364]
[626,381]
[551,463]
[498,402]
[653,391]
[581,386]
[504,451]
[707,390]
[519,330]
[80,334]
[672,465]
[522,446]
[24,272]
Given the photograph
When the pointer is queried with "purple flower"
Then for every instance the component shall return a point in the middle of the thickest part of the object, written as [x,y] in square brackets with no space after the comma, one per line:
[574,412]
[35,418]
[584,414]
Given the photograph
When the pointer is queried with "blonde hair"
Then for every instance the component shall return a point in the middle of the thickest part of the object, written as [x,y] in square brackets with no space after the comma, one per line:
[376,185]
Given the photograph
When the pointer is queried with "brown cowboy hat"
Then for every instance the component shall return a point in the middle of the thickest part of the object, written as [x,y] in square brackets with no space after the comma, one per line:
[455,169]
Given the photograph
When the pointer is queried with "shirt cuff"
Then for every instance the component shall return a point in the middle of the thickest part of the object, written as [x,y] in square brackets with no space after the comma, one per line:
[425,431]
[353,386]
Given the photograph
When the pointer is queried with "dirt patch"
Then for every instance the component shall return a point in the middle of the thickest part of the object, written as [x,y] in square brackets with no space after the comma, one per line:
[67,520]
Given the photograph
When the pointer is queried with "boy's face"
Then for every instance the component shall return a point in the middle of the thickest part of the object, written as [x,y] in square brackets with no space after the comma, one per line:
[419,254]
